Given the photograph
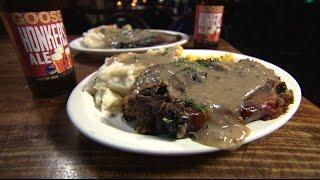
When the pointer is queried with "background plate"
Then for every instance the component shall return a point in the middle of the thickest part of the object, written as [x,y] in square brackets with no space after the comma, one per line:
[76,45]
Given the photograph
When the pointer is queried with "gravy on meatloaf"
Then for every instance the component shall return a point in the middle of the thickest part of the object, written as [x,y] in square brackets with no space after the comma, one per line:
[220,86]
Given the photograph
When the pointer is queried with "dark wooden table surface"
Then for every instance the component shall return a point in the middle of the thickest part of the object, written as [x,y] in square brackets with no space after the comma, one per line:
[38,140]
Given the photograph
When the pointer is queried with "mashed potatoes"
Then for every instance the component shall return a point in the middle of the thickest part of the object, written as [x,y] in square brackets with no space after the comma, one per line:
[111,84]
[103,36]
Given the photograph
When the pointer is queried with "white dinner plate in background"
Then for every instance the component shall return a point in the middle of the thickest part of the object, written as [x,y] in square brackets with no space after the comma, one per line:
[77,46]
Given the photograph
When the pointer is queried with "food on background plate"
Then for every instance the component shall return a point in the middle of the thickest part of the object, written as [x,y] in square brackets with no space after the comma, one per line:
[111,36]
[210,99]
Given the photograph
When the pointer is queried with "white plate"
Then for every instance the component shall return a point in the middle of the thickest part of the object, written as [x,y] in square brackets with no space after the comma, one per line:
[76,45]
[117,134]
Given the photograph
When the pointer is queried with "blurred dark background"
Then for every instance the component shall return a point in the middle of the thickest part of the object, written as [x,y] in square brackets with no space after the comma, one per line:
[283,32]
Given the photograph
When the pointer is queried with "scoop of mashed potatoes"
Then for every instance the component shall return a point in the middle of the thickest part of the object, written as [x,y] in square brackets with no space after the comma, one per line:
[94,40]
[103,36]
[111,84]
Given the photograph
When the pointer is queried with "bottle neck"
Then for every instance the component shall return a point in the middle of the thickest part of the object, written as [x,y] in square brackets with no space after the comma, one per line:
[29,5]
[210,2]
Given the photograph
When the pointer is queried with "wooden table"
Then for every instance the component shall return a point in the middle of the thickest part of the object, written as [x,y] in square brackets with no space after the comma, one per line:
[38,140]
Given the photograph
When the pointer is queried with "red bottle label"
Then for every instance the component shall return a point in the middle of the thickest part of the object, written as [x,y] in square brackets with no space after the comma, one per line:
[41,42]
[208,23]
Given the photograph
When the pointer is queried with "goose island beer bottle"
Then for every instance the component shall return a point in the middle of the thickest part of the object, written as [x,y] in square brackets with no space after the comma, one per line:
[208,23]
[36,30]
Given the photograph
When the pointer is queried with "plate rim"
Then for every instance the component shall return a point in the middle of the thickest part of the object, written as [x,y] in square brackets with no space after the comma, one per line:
[125,148]
[184,39]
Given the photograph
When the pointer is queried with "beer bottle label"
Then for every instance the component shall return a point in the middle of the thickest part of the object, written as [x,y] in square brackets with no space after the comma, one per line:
[41,43]
[208,23]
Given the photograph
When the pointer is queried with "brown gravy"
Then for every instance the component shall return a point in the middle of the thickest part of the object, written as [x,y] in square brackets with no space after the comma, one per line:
[222,88]
[145,59]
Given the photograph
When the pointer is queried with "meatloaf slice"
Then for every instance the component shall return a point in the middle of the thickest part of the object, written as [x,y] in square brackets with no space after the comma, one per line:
[155,112]
[267,102]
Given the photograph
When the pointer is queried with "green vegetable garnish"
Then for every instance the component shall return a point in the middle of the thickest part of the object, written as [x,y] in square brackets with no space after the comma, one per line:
[190,102]
[166,120]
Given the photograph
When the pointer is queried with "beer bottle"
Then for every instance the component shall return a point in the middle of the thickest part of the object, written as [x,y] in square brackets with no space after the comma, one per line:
[36,30]
[208,22]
